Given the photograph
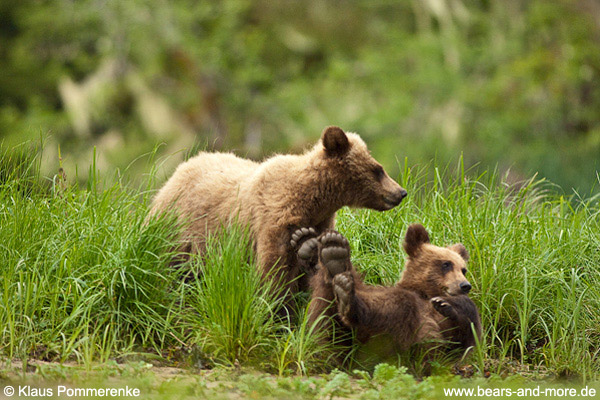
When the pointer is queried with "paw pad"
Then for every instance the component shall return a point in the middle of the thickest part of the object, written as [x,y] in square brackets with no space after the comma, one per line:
[304,239]
[335,253]
[302,234]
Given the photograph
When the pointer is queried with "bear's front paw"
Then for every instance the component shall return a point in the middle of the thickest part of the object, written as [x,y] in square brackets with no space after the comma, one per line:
[335,253]
[343,287]
[443,307]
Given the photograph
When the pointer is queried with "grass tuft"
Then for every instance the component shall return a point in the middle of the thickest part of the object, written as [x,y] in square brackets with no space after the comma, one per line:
[236,309]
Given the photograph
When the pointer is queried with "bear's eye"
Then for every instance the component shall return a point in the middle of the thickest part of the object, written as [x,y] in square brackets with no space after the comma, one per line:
[464,271]
[378,172]
[446,266]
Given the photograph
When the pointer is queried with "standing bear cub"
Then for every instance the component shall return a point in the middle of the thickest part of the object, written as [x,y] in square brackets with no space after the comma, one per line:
[428,304]
[276,197]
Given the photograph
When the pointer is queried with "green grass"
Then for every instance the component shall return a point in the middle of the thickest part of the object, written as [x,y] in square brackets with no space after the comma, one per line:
[236,312]
[535,261]
[385,382]
[86,279]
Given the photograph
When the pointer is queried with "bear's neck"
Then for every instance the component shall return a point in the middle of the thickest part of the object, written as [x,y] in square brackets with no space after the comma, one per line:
[422,288]
[414,288]
[303,190]
[316,211]
[317,200]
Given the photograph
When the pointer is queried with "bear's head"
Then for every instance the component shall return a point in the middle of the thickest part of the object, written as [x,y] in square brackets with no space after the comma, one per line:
[432,270]
[359,178]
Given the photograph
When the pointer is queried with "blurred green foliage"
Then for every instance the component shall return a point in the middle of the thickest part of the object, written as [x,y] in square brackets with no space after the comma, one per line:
[509,82]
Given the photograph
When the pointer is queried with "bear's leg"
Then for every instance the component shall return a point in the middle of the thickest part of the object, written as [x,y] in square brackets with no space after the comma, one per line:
[321,309]
[304,241]
[343,287]
[277,263]
[461,317]
[334,257]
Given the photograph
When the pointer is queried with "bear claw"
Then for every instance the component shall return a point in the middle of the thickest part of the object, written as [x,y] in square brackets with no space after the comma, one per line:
[443,307]
[335,253]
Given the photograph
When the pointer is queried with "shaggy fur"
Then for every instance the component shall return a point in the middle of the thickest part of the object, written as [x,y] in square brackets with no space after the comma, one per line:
[429,303]
[276,197]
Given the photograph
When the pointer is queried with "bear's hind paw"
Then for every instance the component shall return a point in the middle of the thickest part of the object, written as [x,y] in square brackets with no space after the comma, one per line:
[305,240]
[335,253]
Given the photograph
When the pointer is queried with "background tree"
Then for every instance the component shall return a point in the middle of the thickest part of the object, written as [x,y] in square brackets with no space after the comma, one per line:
[507,82]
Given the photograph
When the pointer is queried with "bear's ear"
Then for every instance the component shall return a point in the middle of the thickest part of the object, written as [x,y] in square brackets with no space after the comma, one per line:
[461,250]
[335,141]
[416,236]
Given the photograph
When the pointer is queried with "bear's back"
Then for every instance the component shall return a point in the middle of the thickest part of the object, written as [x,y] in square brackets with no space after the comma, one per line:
[222,165]
[204,182]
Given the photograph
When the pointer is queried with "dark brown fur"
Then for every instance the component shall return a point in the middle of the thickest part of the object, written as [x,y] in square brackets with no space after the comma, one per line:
[427,304]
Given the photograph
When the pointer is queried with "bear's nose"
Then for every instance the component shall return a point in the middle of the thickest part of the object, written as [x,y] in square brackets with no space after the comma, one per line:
[392,199]
[465,287]
[399,195]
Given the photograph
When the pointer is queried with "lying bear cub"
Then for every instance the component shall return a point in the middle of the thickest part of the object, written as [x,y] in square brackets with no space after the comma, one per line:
[428,304]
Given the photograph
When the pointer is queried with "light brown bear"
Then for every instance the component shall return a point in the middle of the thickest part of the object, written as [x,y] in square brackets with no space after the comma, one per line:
[428,304]
[276,197]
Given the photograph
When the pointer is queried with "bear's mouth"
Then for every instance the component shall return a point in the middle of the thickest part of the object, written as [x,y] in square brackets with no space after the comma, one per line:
[453,292]
[390,203]
[447,291]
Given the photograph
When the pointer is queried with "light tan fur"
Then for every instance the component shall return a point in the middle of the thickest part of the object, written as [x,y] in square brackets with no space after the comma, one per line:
[276,196]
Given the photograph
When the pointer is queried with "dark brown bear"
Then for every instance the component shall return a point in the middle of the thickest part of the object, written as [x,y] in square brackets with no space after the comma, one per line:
[428,304]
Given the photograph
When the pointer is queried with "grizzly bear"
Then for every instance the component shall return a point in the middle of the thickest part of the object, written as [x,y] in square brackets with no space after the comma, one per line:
[276,197]
[428,304]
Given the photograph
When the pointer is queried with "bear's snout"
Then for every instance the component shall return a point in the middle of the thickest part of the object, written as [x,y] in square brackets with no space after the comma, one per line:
[394,198]
[465,287]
